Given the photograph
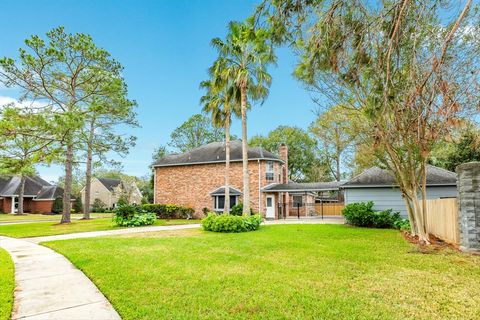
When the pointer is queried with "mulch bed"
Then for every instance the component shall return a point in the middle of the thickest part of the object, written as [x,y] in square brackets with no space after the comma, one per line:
[435,245]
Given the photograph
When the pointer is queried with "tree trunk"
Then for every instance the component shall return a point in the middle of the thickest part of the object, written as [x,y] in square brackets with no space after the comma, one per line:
[338,166]
[23,178]
[246,177]
[227,164]
[67,193]
[88,174]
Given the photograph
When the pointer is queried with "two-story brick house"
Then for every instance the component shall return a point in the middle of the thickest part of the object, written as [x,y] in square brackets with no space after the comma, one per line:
[196,178]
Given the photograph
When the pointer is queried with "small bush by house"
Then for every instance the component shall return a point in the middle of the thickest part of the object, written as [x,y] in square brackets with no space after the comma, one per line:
[98,206]
[169,211]
[362,215]
[57,206]
[133,216]
[237,210]
[231,223]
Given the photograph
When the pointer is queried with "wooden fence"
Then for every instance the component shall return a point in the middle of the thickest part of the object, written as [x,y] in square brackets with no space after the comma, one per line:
[442,219]
[329,209]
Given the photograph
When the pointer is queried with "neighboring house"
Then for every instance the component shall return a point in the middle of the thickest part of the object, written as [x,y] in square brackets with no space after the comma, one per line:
[196,179]
[38,194]
[110,190]
[378,185]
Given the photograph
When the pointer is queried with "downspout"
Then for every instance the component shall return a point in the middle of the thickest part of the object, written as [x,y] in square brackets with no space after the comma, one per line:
[259,187]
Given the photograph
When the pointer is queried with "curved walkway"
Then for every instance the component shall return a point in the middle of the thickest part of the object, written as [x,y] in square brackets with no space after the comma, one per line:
[48,286]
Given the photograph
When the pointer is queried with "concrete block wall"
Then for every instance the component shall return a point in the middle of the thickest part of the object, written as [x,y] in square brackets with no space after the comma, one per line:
[469,205]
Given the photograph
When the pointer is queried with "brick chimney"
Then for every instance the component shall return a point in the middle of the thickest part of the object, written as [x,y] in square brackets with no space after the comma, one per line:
[283,152]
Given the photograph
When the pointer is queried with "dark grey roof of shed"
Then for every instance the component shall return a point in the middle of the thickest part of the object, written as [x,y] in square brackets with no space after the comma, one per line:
[377,177]
[306,187]
[109,183]
[221,191]
[214,152]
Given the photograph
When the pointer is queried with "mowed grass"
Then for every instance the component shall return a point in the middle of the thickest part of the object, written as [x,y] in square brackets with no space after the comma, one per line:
[278,272]
[7,217]
[37,229]
[7,284]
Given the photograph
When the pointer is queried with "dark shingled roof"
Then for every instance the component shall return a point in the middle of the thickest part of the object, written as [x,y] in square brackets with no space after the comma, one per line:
[377,177]
[215,152]
[10,186]
[299,187]
[221,191]
[109,183]
[50,192]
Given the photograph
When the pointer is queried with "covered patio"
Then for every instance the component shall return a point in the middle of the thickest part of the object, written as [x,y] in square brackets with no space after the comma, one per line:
[303,200]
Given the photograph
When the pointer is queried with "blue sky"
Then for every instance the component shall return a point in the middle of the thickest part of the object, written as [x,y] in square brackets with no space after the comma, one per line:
[165,49]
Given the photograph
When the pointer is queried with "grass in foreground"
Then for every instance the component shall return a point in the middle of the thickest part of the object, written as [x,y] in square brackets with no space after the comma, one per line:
[7,217]
[37,229]
[7,284]
[278,272]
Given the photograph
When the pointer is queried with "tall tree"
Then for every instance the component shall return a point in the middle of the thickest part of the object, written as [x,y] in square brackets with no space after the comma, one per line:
[411,69]
[66,72]
[305,163]
[334,132]
[99,136]
[221,101]
[159,153]
[243,60]
[24,142]
[193,133]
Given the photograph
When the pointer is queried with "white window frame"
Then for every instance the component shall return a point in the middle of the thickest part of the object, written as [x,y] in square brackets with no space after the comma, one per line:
[269,171]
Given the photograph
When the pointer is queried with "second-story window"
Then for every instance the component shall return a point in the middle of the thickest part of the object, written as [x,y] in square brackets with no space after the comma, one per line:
[269,172]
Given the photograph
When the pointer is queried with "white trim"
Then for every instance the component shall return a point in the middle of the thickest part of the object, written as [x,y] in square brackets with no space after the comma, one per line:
[392,186]
[209,162]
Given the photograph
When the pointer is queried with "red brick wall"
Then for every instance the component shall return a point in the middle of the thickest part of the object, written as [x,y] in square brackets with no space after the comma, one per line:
[7,205]
[191,185]
[42,206]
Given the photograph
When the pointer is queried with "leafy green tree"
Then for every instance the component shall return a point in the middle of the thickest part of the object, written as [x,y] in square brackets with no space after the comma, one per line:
[335,134]
[67,72]
[24,142]
[243,60]
[98,206]
[193,133]
[159,153]
[222,102]
[303,157]
[77,205]
[408,67]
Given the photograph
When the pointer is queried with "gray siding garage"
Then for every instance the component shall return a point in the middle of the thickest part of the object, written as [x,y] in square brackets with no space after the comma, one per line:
[378,185]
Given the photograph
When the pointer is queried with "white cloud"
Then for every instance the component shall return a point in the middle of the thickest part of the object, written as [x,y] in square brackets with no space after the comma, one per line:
[4,100]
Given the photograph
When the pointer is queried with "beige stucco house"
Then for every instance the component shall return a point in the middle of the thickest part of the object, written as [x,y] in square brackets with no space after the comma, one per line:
[110,190]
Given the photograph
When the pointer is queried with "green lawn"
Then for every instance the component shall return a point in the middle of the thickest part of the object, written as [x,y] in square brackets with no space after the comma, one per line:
[6,217]
[278,272]
[37,229]
[7,284]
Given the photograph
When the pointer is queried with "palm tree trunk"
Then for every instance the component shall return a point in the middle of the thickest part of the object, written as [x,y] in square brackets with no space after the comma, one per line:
[23,178]
[88,174]
[67,206]
[246,177]
[227,164]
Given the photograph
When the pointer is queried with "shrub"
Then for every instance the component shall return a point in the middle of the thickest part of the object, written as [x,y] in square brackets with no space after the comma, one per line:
[98,206]
[402,224]
[169,211]
[57,206]
[237,210]
[231,223]
[132,216]
[122,201]
[362,215]
[77,205]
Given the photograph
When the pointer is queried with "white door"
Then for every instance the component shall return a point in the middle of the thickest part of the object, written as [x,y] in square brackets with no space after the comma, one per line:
[270,213]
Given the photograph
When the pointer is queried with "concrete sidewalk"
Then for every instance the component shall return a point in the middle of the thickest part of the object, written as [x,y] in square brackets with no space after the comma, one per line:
[48,286]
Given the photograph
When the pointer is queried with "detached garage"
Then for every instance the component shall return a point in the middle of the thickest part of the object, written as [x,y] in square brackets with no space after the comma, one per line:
[378,185]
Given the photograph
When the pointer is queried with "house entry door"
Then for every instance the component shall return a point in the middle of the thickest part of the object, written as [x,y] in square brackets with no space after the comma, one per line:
[270,212]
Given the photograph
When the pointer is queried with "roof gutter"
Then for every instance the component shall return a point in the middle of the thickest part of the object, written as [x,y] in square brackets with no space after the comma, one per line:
[209,162]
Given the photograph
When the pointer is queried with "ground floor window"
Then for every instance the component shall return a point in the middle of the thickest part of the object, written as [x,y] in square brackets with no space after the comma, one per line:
[219,202]
[297,201]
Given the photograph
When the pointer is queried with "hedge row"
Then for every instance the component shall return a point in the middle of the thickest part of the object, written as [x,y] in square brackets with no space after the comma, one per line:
[169,211]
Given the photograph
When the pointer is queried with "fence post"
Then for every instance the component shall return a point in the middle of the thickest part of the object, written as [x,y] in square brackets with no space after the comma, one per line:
[469,205]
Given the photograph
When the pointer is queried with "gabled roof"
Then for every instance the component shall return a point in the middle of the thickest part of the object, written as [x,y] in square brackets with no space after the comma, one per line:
[213,153]
[109,183]
[377,177]
[49,192]
[221,192]
[10,186]
[303,187]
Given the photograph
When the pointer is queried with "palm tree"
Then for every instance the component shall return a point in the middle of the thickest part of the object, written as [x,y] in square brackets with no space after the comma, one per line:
[243,60]
[221,101]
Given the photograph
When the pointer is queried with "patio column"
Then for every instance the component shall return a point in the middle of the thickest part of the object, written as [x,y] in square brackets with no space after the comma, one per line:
[13,205]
